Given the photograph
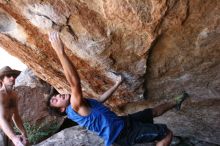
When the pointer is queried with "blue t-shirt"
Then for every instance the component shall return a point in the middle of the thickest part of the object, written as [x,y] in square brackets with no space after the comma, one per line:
[100,120]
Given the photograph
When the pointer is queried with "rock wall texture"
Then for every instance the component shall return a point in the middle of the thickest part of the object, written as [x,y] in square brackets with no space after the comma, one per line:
[101,37]
[32,92]
[160,46]
[75,136]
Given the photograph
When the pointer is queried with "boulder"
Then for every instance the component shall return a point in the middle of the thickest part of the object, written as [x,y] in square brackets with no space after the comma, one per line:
[33,92]
[74,136]
[161,47]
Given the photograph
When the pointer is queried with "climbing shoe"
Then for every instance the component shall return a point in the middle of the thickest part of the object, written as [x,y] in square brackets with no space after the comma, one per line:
[180,98]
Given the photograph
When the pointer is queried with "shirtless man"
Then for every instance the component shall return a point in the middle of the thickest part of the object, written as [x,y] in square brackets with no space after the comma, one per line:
[9,108]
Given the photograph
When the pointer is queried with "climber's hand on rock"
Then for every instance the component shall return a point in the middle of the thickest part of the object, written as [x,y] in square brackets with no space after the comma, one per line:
[120,79]
[56,42]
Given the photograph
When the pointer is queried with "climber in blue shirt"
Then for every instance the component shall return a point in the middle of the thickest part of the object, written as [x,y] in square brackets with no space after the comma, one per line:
[93,115]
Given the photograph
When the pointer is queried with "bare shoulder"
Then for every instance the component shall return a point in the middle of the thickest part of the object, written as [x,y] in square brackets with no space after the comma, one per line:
[81,107]
[14,99]
[77,102]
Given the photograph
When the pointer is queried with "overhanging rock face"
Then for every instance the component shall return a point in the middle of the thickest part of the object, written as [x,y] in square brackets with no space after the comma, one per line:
[169,45]
[101,37]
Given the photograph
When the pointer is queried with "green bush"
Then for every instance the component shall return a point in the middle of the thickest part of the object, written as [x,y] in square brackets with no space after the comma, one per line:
[37,133]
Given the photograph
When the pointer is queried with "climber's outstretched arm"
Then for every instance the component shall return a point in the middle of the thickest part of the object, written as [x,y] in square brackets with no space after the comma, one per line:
[110,91]
[70,72]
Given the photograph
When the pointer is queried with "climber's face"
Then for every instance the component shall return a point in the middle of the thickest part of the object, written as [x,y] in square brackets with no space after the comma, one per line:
[60,100]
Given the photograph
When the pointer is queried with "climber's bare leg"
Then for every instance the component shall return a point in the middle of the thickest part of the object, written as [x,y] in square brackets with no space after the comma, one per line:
[166,140]
[162,108]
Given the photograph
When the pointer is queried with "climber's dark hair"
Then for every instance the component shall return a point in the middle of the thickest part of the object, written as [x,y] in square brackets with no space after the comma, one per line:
[54,111]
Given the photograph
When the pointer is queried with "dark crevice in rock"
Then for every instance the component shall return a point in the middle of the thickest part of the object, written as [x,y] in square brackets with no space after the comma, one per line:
[187,13]
[148,62]
[38,14]
[70,30]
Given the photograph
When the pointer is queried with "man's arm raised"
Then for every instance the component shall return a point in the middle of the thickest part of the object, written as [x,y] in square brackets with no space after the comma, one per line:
[69,71]
[110,91]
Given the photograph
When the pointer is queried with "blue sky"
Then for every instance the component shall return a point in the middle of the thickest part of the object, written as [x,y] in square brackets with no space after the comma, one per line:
[8,60]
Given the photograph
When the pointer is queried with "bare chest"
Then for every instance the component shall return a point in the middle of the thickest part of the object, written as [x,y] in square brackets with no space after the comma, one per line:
[9,105]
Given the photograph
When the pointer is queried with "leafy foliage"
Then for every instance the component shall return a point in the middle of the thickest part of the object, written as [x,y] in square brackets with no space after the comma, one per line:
[37,133]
